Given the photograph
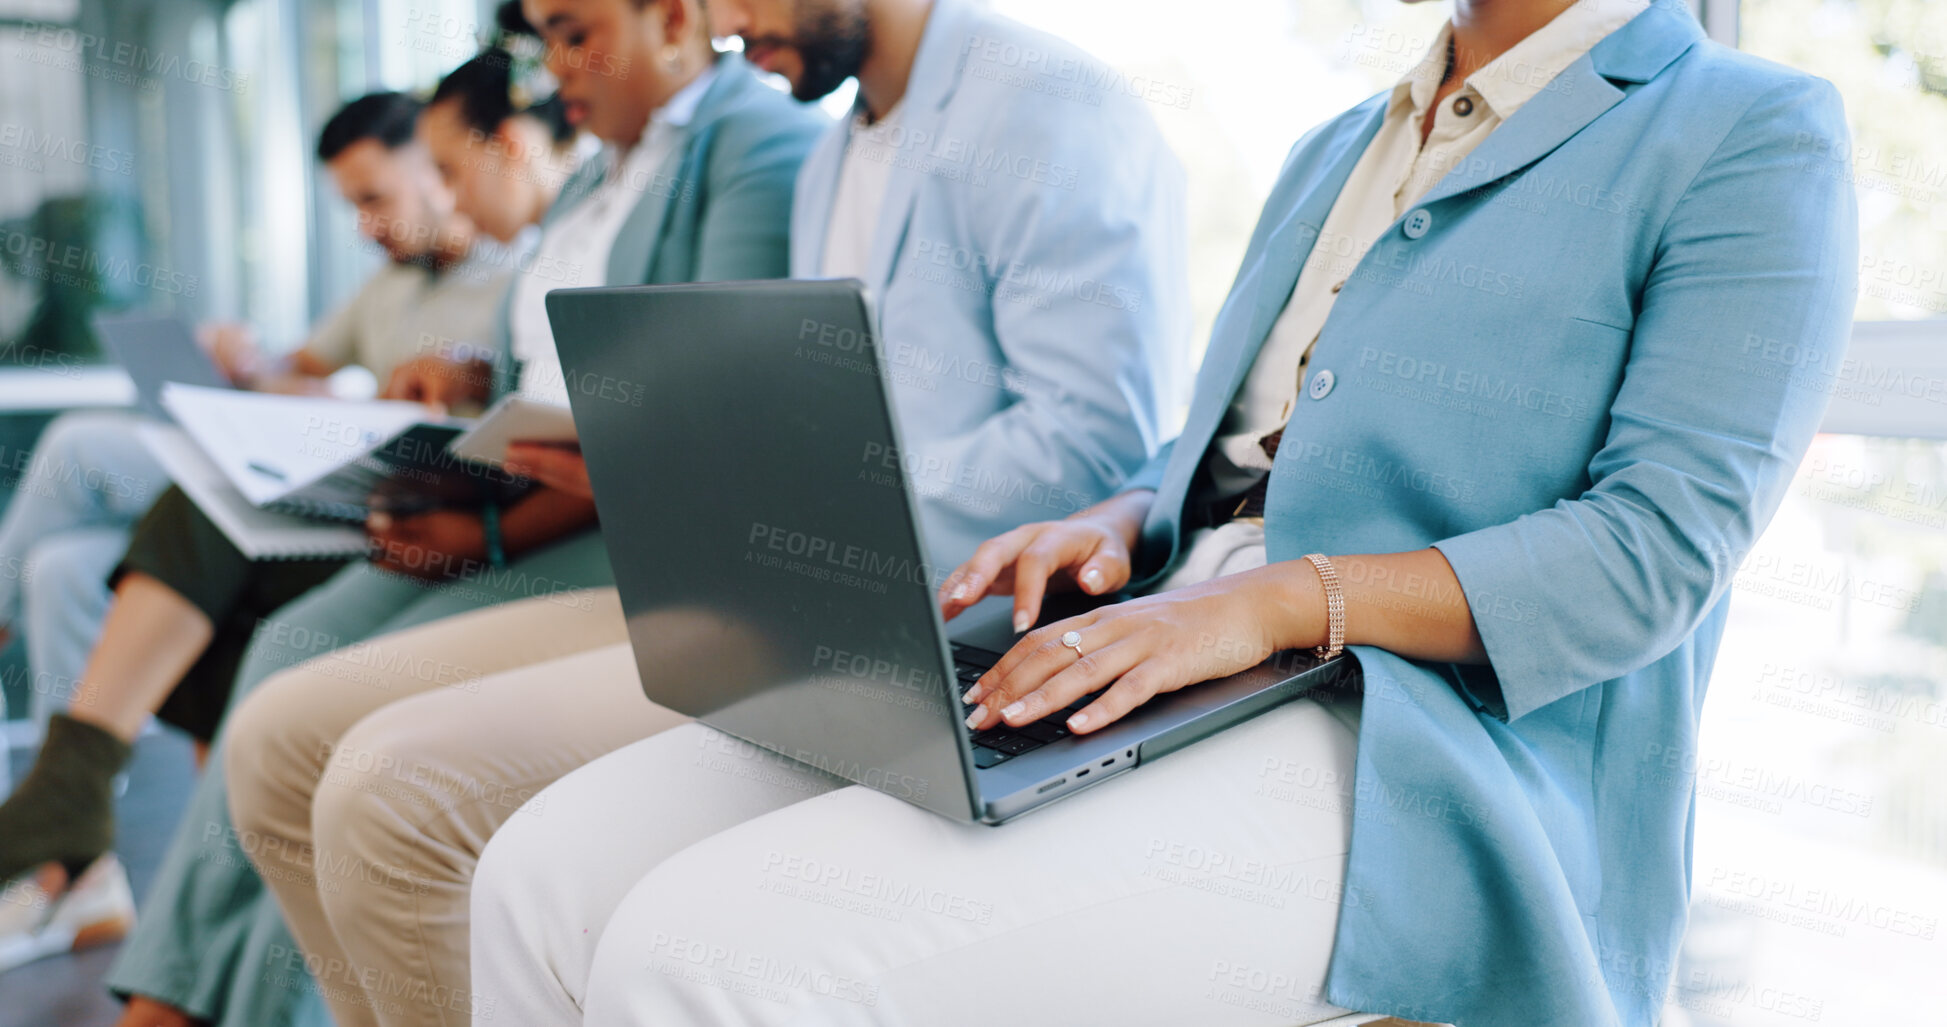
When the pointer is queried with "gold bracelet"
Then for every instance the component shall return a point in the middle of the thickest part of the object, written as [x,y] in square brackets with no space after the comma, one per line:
[1334,607]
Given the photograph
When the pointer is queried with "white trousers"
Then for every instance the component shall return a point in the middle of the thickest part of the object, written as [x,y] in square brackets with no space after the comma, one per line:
[691,878]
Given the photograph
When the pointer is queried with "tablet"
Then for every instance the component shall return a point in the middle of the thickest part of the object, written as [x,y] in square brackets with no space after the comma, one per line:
[514,417]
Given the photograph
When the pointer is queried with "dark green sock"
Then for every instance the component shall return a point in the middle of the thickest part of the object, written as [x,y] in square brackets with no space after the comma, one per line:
[64,809]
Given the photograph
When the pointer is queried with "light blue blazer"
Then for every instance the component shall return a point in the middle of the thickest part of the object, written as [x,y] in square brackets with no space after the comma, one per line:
[1027,272]
[1562,368]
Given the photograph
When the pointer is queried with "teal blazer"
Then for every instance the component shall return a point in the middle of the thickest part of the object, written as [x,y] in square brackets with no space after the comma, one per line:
[1563,369]
[721,210]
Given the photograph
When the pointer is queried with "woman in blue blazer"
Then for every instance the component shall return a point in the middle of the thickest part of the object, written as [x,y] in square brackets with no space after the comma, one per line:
[211,942]
[1542,423]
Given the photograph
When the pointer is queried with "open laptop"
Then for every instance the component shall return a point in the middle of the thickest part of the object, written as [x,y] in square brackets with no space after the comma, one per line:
[154,351]
[771,566]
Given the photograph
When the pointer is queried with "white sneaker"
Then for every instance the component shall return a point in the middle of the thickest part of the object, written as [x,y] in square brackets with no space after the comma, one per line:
[99,909]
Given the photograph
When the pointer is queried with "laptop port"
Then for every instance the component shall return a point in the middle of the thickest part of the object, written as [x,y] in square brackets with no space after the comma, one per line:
[1051,786]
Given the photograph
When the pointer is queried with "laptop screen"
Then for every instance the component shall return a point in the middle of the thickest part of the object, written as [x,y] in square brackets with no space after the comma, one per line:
[747,472]
[155,350]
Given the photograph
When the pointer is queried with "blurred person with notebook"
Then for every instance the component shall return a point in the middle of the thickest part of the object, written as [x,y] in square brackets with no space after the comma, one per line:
[90,478]
[694,184]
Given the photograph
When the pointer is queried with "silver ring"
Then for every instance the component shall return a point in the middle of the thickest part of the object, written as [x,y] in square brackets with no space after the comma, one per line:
[1073,640]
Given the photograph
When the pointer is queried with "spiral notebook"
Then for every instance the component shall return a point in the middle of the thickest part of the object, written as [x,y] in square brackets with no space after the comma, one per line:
[257,533]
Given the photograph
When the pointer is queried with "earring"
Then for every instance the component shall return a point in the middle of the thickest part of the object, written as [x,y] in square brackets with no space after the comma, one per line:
[673,57]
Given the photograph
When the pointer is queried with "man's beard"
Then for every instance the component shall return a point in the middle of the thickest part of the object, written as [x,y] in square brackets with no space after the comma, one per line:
[832,43]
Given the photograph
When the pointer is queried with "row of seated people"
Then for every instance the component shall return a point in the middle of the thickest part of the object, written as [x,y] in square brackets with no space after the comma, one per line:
[521,836]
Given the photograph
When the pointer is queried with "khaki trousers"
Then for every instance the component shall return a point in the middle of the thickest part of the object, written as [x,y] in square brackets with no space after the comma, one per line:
[365,783]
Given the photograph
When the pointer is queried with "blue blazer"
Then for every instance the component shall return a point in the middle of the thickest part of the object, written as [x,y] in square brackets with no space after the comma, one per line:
[1028,275]
[719,208]
[1563,369]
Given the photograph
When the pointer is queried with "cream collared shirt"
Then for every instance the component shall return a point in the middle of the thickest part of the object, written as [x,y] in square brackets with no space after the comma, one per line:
[1393,173]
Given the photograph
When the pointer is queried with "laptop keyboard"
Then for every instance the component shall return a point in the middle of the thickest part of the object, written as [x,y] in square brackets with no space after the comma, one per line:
[998,744]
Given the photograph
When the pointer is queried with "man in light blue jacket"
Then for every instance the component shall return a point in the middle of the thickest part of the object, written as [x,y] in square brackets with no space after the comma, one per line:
[1016,239]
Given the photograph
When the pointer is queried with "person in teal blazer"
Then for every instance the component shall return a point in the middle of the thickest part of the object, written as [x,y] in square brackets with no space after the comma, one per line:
[1560,461]
[211,942]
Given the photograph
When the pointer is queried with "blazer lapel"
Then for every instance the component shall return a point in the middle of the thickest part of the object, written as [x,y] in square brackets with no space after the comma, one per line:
[1576,97]
[896,210]
[635,245]
[1262,289]
[584,181]
[630,260]
[1581,94]
[1234,344]
[936,72]
[811,209]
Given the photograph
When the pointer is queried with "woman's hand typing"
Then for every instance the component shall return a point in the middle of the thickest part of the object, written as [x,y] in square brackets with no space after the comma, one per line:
[1089,550]
[1145,647]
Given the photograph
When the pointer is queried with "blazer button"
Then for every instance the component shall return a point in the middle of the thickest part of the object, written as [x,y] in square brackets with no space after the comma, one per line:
[1417,223]
[1321,384]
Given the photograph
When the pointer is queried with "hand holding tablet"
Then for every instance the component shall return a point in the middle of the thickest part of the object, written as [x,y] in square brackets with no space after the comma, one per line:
[556,465]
